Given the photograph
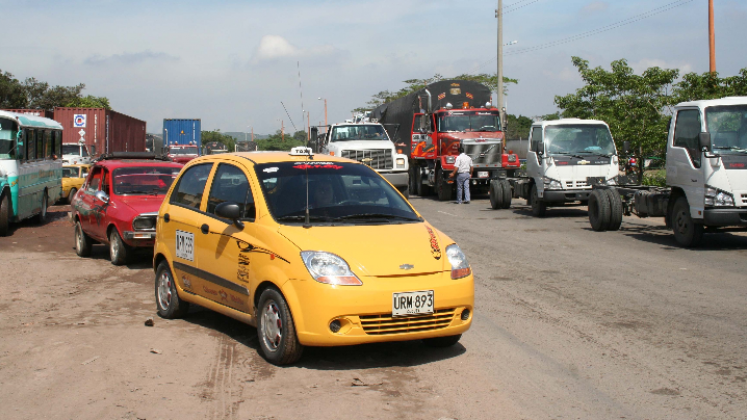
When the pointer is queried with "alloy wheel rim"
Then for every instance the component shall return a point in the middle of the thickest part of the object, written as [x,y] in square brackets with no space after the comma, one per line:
[164,291]
[78,238]
[682,224]
[272,326]
[114,248]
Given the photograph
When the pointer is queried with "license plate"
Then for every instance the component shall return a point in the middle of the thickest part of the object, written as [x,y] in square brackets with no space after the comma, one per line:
[412,303]
[483,174]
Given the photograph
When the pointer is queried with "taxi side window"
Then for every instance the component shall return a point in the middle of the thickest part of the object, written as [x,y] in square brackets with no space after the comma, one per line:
[231,185]
[191,186]
[93,185]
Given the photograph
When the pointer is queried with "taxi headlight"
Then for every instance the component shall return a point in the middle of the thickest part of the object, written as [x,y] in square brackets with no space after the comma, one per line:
[329,269]
[459,265]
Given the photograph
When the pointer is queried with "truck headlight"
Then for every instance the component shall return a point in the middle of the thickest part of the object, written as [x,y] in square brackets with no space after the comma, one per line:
[450,159]
[718,198]
[611,181]
[459,265]
[551,183]
[400,162]
[329,269]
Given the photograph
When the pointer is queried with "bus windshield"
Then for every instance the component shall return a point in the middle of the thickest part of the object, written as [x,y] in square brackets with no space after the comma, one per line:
[569,139]
[728,128]
[8,134]
[143,180]
[462,121]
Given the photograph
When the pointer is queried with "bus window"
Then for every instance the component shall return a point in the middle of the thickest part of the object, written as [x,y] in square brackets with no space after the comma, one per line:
[8,133]
[58,144]
[30,142]
[39,144]
[48,144]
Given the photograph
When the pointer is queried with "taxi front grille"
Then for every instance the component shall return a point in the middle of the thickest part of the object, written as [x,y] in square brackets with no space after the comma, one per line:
[385,324]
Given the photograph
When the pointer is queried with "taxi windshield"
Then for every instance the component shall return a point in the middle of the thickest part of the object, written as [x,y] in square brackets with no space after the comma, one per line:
[70,172]
[143,180]
[338,193]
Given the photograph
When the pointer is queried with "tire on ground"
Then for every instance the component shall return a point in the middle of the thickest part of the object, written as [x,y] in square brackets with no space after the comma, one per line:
[71,195]
[82,241]
[413,179]
[539,208]
[599,210]
[496,195]
[686,231]
[443,188]
[4,214]
[282,347]
[118,250]
[42,217]
[616,209]
[168,303]
[507,194]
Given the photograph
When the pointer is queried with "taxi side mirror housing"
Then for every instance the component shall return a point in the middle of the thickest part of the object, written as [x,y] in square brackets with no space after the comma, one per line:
[231,211]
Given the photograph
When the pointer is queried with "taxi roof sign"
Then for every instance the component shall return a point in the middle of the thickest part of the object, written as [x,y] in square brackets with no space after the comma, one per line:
[301,151]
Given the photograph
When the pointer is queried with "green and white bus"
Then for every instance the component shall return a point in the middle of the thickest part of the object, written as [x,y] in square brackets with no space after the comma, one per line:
[30,167]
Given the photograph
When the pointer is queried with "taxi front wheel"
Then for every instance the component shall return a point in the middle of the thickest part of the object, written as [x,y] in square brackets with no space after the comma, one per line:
[167,300]
[442,341]
[275,329]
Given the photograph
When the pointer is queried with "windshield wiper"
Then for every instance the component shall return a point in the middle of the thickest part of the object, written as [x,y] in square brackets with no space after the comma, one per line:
[302,217]
[375,216]
[734,148]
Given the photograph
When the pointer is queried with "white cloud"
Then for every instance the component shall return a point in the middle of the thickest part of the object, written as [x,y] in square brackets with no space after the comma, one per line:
[273,47]
[595,7]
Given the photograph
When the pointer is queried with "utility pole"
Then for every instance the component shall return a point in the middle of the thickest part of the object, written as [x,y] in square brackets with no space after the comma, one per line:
[282,131]
[308,128]
[252,133]
[711,36]
[499,15]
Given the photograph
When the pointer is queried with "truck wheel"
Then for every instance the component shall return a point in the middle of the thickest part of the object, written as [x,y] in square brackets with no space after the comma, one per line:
[539,208]
[444,188]
[405,191]
[496,195]
[599,210]
[422,189]
[686,231]
[507,194]
[616,209]
[413,180]
[4,215]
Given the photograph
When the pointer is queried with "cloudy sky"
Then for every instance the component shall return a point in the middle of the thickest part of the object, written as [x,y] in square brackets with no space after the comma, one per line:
[231,62]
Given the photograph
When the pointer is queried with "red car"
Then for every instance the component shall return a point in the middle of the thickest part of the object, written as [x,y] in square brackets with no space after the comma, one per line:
[119,201]
[183,153]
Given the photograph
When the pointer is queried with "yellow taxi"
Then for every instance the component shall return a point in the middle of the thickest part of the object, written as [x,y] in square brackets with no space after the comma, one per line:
[311,250]
[73,177]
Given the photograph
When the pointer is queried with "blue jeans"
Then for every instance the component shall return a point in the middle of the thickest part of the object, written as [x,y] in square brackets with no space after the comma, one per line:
[462,181]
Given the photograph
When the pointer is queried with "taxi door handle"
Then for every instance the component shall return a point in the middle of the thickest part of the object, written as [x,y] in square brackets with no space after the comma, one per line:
[205,229]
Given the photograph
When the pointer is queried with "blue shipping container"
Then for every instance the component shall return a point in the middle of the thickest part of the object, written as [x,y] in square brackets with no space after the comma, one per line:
[182,131]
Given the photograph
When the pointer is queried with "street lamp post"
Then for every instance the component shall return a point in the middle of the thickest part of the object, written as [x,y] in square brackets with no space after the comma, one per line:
[325,109]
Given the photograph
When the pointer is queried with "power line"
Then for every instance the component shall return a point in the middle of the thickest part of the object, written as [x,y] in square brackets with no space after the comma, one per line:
[514,7]
[610,27]
[289,116]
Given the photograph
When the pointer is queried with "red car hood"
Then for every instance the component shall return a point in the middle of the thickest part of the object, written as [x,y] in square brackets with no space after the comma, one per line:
[142,203]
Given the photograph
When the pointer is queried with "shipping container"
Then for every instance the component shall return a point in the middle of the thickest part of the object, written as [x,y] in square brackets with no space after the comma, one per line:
[182,131]
[102,130]
[38,112]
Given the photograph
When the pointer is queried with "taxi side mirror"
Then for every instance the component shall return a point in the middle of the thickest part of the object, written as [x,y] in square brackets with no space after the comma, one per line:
[231,211]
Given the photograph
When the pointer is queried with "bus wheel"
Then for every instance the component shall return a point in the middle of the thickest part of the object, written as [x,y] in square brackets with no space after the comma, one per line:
[41,218]
[4,215]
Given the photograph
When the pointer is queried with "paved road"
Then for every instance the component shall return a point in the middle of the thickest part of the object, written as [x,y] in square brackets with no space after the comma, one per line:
[569,323]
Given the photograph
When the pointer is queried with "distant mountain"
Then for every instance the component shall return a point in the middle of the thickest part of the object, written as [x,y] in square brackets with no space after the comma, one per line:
[240,136]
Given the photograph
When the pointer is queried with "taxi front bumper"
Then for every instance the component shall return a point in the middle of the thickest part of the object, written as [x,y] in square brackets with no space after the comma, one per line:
[365,312]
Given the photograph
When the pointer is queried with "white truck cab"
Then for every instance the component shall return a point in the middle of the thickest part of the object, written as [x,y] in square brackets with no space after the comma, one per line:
[564,158]
[369,143]
[75,153]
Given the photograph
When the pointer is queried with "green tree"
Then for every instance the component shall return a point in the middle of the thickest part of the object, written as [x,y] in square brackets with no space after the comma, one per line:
[710,86]
[225,139]
[633,105]
[518,126]
[276,141]
[35,94]
[90,101]
[11,92]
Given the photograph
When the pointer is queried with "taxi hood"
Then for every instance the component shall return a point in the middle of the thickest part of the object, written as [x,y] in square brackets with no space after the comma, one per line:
[377,250]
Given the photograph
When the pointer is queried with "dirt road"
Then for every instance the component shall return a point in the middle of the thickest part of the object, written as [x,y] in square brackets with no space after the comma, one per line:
[569,323]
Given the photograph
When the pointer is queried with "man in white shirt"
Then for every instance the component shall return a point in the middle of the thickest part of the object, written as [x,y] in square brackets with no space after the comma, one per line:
[463,173]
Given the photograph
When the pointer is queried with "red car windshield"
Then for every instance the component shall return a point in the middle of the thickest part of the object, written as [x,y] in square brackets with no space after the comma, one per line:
[143,180]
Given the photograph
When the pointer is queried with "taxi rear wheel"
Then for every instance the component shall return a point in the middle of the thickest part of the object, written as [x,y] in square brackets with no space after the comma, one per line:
[275,329]
[442,341]
[167,299]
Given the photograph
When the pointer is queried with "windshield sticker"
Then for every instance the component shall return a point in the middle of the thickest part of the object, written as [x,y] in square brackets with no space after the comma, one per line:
[441,95]
[316,165]
[271,170]
[435,250]
[469,95]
